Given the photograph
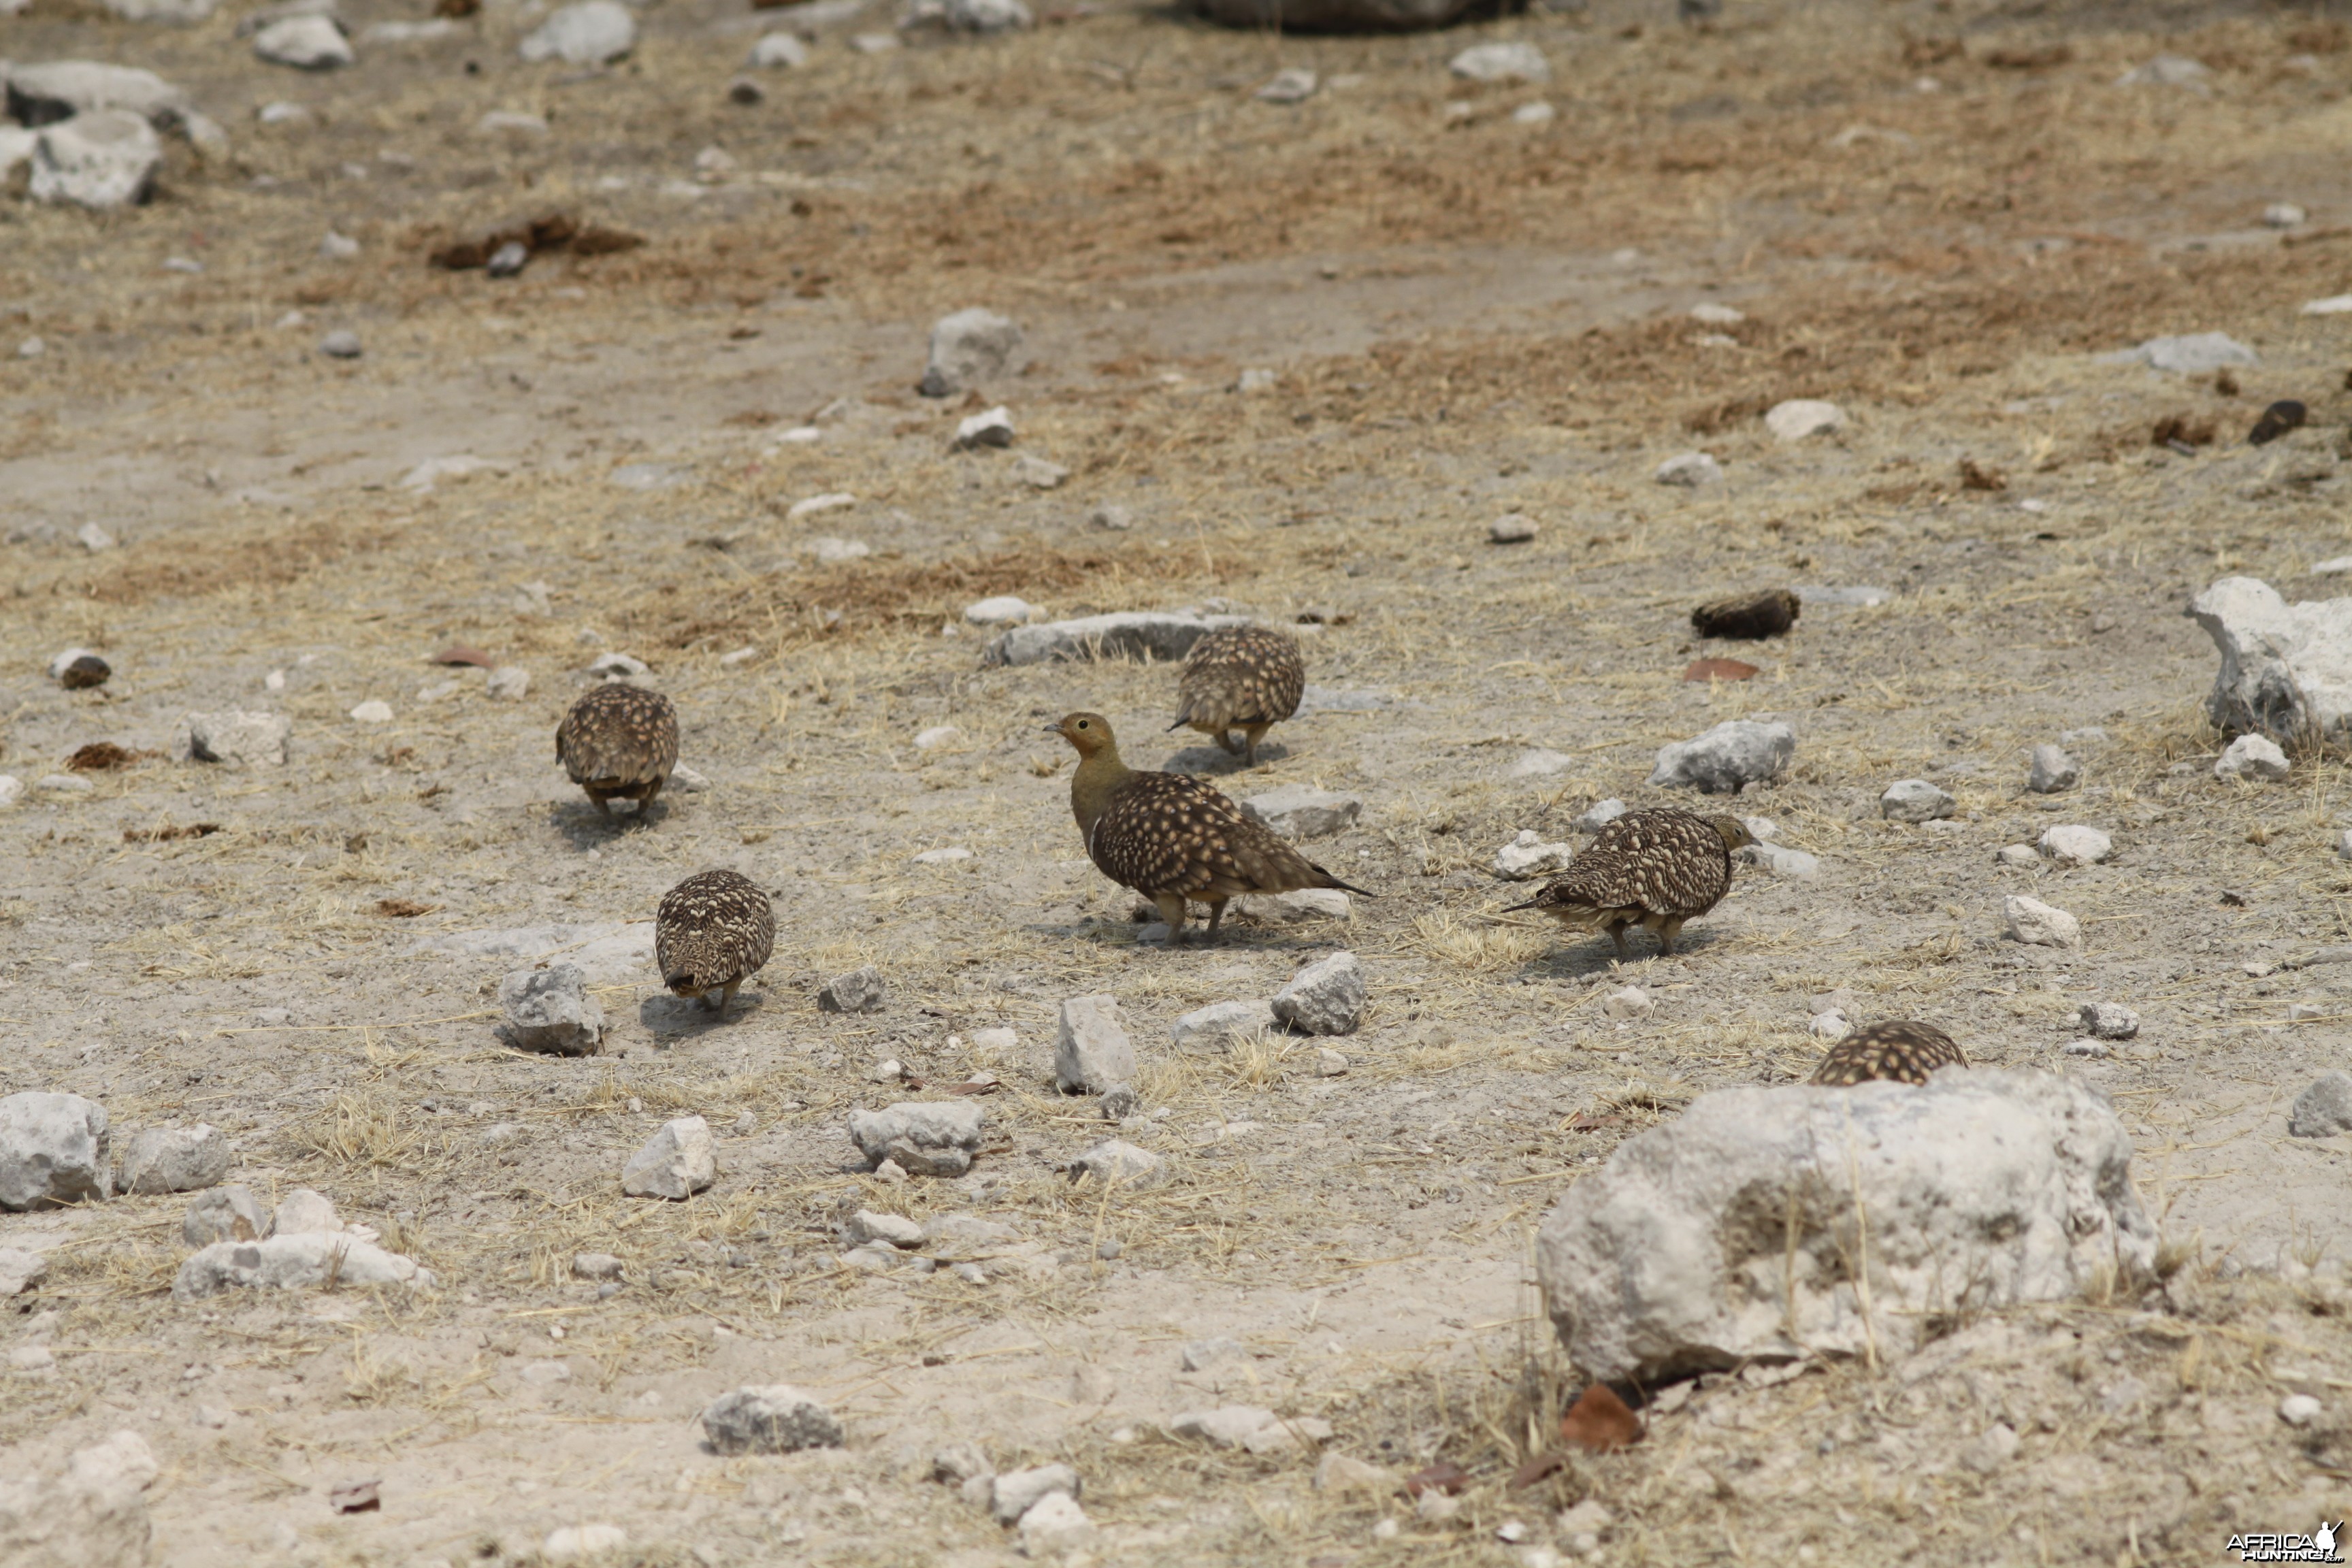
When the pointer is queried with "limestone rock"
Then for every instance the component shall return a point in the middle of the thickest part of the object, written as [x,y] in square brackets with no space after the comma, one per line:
[860,991]
[2323,1109]
[551,1010]
[776,1418]
[1056,1527]
[224,1213]
[43,94]
[2256,757]
[1502,62]
[1527,855]
[1735,752]
[1599,814]
[969,348]
[20,1270]
[235,739]
[53,1150]
[1219,1023]
[1689,470]
[1146,636]
[1301,811]
[2070,843]
[1914,800]
[1299,904]
[1091,1050]
[588,33]
[175,1160]
[675,1162]
[896,1229]
[924,1138]
[1728,1234]
[2286,669]
[313,43]
[104,159]
[1127,1165]
[301,1262]
[304,1210]
[2052,771]
[1327,997]
[2109,1020]
[1015,1493]
[2037,924]
[1802,416]
[94,1515]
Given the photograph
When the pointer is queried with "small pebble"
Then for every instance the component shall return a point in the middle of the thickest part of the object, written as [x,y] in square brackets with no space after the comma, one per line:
[1511,529]
[2299,1410]
[341,344]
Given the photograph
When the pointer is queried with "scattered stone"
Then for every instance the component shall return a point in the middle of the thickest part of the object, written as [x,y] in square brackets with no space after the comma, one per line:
[64,783]
[1056,1527]
[224,1213]
[1783,861]
[1330,1063]
[2344,844]
[2017,855]
[53,1150]
[175,1160]
[2109,1020]
[1304,904]
[1342,1473]
[341,344]
[1725,1236]
[20,1270]
[1249,1426]
[947,856]
[304,1210]
[2052,771]
[334,247]
[779,51]
[1735,753]
[508,683]
[1257,382]
[2323,1109]
[1833,1024]
[375,711]
[2194,354]
[2086,1047]
[968,348]
[1015,1493]
[579,1542]
[2285,670]
[1991,1449]
[810,505]
[675,1162]
[94,1515]
[1294,84]
[1527,855]
[2299,1410]
[1300,812]
[100,159]
[1914,800]
[1599,815]
[551,1010]
[2254,757]
[1118,1103]
[2070,844]
[776,1418]
[834,551]
[860,991]
[595,1266]
[2169,71]
[1501,62]
[1091,1050]
[2037,924]
[1511,529]
[93,538]
[508,261]
[1118,518]
[78,669]
[1127,1165]
[1534,114]
[1626,1003]
[1030,469]
[299,1261]
[896,1230]
[989,427]
[1539,762]
[968,16]
[928,1138]
[960,1465]
[307,43]
[1144,635]
[1690,470]
[588,33]
[1220,1022]
[1327,997]
[1802,417]
[1004,610]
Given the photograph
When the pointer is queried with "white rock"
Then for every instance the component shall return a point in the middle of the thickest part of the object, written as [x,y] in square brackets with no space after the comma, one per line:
[1257,382]
[860,991]
[2256,757]
[1301,904]
[42,94]
[430,30]
[2285,669]
[175,1160]
[180,12]
[580,1542]
[969,15]
[1300,812]
[1539,762]
[1227,1427]
[1783,861]
[94,1515]
[675,1162]
[1735,752]
[1534,114]
[2072,844]
[773,1418]
[12,790]
[2168,71]
[373,711]
[1294,84]
[2037,924]
[341,344]
[1501,62]
[2333,305]
[64,783]
[1690,470]
[1004,610]
[1116,517]
[1527,855]
[509,122]
[896,1229]
[1127,1165]
[1327,997]
[2192,354]
[1091,1048]
[94,537]
[1716,315]
[930,1137]
[1914,800]
[587,33]
[2299,1409]
[1054,1527]
[1144,635]
[53,1150]
[2051,771]
[617,666]
[1330,1063]
[779,51]
[947,856]
[1802,416]
[333,247]
[988,428]
[20,1270]
[306,43]
[1035,472]
[1833,1024]
[1015,1493]
[833,502]
[2018,854]
[1220,1022]
[1992,1448]
[304,1210]
[1599,814]
[1626,1003]
[1727,1234]
[425,475]
[969,348]
[936,737]
[2109,1020]
[302,1260]
[508,683]
[2283,215]
[224,1213]
[102,159]
[1512,529]
[834,551]
[551,1010]
[2324,1109]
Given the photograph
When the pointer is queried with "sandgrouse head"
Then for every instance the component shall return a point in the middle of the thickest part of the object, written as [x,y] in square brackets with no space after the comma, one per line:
[1088,733]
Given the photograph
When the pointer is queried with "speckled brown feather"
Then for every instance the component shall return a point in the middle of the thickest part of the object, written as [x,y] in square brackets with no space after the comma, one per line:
[1248,677]
[619,741]
[1749,616]
[713,933]
[1655,868]
[1904,1051]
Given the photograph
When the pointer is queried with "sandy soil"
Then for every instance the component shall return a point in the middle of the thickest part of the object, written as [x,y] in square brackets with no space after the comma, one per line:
[1469,316]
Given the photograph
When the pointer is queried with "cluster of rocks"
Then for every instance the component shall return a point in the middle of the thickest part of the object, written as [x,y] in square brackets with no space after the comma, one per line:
[1324,998]
[301,1245]
[89,130]
[1040,1504]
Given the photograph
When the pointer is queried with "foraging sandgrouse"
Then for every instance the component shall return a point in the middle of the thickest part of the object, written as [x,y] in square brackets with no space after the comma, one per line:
[1245,677]
[1904,1051]
[1749,617]
[711,933]
[1653,869]
[619,741]
[1172,837]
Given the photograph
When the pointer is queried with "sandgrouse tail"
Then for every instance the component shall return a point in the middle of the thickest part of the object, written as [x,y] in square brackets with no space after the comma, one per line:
[1900,1052]
[1173,838]
[619,743]
[1243,677]
[711,933]
[1653,869]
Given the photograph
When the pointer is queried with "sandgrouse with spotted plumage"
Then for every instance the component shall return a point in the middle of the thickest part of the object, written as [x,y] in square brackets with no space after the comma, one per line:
[1905,1051]
[1653,869]
[1244,678]
[711,933]
[1173,838]
[619,743]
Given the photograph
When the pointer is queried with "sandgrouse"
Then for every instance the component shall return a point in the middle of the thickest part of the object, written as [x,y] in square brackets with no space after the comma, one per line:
[1749,616]
[619,741]
[1655,868]
[1172,837]
[1899,1052]
[711,933]
[1245,677]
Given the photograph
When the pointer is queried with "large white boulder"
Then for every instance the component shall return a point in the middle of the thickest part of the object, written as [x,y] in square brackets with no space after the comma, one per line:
[1735,752]
[1743,1229]
[53,1150]
[2286,669]
[101,160]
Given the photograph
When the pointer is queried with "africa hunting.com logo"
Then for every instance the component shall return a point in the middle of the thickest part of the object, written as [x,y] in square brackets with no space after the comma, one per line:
[2320,1546]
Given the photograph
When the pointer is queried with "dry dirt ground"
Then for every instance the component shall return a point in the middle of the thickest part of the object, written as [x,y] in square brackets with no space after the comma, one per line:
[1469,315]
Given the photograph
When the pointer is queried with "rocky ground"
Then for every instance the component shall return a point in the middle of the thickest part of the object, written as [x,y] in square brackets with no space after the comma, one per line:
[706,452]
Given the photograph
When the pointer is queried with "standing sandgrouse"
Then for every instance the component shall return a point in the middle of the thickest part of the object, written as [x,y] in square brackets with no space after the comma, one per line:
[619,741]
[1653,869]
[1172,837]
[1752,616]
[1242,676]
[713,933]
[1900,1052]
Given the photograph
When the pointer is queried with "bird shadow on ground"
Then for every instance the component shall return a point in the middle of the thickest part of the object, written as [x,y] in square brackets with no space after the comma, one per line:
[674,1018]
[1583,959]
[1210,760]
[585,828]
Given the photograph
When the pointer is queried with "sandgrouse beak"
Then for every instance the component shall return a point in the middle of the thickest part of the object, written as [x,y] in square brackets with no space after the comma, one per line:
[1055,727]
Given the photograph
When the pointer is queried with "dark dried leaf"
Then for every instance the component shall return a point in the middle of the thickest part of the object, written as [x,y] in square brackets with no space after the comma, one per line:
[463,653]
[1719,669]
[1445,1476]
[1540,1467]
[403,909]
[356,1497]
